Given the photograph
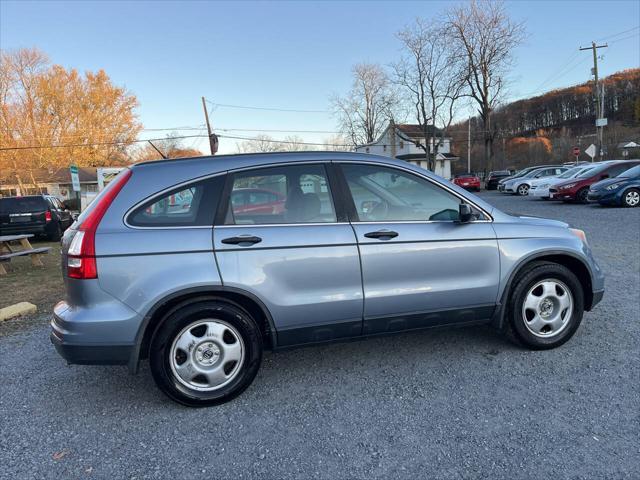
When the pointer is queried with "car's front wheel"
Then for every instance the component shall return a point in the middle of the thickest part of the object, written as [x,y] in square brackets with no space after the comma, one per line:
[206,353]
[523,190]
[582,195]
[545,306]
[631,198]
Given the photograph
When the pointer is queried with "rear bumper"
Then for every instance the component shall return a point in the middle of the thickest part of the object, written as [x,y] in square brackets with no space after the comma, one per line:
[80,338]
[93,354]
[19,229]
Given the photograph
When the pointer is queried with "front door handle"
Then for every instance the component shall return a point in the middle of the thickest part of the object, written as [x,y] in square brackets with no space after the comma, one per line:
[382,234]
[250,239]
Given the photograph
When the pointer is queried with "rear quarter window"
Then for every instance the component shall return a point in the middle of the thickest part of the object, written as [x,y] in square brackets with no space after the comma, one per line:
[189,205]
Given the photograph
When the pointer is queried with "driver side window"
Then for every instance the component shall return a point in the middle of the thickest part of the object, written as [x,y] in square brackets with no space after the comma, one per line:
[382,194]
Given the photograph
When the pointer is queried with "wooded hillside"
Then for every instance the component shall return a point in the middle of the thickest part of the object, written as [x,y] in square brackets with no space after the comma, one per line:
[545,128]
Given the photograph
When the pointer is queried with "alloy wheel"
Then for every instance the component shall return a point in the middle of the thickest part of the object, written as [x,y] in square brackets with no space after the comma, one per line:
[523,190]
[632,198]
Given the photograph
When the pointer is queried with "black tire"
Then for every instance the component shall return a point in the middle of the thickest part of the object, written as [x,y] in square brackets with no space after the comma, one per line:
[176,322]
[581,196]
[525,189]
[515,322]
[57,233]
[627,199]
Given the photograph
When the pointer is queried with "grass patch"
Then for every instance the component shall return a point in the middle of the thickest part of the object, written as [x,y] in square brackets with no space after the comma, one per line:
[42,286]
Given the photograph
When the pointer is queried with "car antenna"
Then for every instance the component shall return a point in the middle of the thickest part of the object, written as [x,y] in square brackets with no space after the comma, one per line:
[164,157]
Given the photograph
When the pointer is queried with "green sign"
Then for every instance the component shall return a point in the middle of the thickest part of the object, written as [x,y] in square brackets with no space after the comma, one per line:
[75,179]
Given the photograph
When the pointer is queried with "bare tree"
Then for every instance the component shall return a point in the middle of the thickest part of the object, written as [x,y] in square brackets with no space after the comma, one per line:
[433,76]
[486,38]
[265,143]
[364,112]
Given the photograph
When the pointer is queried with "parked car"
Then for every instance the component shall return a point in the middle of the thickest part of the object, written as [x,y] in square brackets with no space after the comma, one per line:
[257,200]
[34,214]
[520,173]
[364,246]
[468,181]
[494,177]
[520,185]
[540,186]
[577,189]
[623,190]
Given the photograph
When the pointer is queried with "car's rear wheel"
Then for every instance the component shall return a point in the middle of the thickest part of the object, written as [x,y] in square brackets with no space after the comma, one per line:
[581,196]
[523,190]
[631,198]
[545,307]
[206,353]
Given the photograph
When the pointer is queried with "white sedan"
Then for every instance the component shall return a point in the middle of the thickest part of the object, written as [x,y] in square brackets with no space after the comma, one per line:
[539,187]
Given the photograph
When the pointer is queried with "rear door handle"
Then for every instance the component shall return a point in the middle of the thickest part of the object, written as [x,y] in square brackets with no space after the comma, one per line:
[382,234]
[250,239]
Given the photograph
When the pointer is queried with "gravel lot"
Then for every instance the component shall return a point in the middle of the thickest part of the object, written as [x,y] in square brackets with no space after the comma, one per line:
[460,403]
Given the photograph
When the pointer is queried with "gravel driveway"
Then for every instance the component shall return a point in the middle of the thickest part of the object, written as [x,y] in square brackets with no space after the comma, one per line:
[458,403]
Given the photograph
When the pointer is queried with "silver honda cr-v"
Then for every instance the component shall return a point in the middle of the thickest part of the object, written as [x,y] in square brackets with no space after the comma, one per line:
[200,264]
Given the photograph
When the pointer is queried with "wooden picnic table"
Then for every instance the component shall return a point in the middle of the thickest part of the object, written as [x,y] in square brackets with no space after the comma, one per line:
[9,251]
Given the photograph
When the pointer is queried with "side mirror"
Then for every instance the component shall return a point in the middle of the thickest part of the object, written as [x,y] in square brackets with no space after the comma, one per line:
[465,214]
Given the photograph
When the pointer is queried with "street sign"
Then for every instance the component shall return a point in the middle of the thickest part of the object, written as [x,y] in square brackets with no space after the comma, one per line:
[75,180]
[576,151]
[601,122]
[591,151]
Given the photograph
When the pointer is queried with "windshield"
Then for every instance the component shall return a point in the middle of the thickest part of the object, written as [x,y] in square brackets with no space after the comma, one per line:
[572,172]
[631,173]
[22,204]
[592,171]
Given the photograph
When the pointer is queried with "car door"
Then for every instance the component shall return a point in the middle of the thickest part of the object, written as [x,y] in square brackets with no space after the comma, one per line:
[299,257]
[65,215]
[420,265]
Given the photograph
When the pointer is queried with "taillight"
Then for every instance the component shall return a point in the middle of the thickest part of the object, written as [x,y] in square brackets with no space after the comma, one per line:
[81,256]
[47,216]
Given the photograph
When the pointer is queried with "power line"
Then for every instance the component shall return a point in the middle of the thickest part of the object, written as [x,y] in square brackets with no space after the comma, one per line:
[618,34]
[274,131]
[99,144]
[625,38]
[273,109]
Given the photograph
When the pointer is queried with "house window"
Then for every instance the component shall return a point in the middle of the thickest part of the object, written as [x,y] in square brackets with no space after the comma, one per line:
[367,150]
[401,144]
[384,148]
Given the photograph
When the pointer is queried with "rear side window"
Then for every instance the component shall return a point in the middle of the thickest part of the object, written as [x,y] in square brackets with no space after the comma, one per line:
[189,205]
[288,194]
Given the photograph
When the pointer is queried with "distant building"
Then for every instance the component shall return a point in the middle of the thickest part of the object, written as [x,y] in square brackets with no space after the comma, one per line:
[400,140]
[56,182]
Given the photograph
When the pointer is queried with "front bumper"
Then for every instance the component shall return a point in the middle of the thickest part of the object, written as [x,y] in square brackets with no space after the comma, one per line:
[597,298]
[561,195]
[603,196]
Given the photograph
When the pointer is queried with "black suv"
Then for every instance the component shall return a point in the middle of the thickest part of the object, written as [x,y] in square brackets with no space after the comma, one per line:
[37,214]
[493,178]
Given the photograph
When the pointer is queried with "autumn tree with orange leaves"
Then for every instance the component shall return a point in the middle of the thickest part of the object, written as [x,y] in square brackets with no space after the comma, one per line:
[51,117]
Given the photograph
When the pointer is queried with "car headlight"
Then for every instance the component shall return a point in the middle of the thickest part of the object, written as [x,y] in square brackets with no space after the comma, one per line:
[580,234]
[567,186]
[613,186]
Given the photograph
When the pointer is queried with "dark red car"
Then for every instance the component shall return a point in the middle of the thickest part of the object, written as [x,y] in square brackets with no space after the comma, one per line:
[577,189]
[248,201]
[468,181]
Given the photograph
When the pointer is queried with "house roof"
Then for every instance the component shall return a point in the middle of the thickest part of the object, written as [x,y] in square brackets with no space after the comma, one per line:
[415,131]
[55,175]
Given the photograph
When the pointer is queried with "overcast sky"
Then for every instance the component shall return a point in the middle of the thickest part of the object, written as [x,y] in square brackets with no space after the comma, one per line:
[289,55]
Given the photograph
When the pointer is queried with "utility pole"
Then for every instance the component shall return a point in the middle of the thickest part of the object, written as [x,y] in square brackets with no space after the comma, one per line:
[599,106]
[392,136]
[213,138]
[469,147]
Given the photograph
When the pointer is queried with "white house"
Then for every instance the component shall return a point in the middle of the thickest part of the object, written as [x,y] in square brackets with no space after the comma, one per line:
[400,141]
